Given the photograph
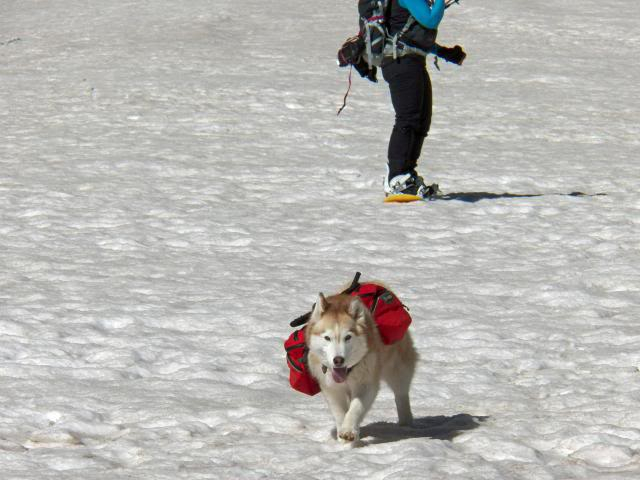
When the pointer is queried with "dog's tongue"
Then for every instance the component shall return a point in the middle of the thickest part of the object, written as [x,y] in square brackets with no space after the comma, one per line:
[339,374]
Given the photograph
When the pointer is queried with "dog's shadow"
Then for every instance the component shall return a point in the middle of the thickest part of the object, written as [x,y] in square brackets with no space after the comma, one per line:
[440,428]
[473,197]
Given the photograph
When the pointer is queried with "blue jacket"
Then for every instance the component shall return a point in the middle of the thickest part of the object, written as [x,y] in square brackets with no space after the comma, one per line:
[429,17]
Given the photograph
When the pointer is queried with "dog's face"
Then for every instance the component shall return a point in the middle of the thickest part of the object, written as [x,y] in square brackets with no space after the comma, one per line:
[337,333]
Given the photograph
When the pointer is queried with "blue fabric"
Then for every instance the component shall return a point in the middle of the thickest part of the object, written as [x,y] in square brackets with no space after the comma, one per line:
[428,17]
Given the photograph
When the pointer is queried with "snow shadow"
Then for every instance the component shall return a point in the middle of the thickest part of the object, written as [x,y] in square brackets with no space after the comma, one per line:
[472,197]
[440,428]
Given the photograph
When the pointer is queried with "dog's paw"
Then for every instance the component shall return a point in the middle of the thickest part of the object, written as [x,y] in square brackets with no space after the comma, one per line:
[349,435]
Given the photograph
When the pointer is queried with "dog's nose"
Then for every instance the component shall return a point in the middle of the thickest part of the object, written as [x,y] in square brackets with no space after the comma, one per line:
[338,361]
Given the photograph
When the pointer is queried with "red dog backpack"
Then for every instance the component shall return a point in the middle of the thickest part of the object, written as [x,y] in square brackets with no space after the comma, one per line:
[387,310]
[299,376]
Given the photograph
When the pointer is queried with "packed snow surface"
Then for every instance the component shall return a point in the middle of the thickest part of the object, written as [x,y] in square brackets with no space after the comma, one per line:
[176,187]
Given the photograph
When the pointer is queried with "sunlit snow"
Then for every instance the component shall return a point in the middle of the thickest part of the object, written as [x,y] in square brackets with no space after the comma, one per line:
[175,187]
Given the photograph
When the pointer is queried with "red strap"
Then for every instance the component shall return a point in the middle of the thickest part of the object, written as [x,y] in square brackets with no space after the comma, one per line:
[344,101]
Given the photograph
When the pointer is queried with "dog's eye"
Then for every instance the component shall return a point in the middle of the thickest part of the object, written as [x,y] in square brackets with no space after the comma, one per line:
[347,338]
[327,338]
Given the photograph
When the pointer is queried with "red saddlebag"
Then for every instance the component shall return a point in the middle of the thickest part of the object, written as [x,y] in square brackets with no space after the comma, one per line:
[388,312]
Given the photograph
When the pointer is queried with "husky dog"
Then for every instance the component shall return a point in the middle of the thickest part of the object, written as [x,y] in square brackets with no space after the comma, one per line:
[348,359]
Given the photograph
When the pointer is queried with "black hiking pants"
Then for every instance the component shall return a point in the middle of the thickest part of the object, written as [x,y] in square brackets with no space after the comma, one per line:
[410,88]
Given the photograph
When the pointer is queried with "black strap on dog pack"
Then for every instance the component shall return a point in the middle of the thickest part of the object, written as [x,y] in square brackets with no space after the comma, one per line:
[355,283]
[302,319]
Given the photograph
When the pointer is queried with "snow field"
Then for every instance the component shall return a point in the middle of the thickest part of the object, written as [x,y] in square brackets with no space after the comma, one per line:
[176,188]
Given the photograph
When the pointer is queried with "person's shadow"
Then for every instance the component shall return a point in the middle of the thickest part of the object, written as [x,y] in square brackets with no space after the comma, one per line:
[440,428]
[472,197]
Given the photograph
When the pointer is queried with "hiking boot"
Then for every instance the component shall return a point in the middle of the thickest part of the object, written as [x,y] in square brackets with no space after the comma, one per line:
[424,190]
[409,184]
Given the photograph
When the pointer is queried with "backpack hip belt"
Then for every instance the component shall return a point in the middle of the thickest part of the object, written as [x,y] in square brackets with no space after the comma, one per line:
[379,44]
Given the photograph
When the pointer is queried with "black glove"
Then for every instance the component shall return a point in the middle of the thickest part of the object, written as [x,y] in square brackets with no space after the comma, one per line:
[351,54]
[350,51]
[454,55]
[365,71]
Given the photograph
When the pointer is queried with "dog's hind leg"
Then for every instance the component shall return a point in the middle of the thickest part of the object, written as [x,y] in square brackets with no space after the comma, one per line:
[400,382]
[398,374]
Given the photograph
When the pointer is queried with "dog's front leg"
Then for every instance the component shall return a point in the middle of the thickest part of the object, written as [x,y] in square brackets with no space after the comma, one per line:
[358,408]
[338,404]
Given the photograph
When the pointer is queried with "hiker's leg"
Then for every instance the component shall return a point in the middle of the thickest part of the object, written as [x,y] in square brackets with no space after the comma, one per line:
[407,85]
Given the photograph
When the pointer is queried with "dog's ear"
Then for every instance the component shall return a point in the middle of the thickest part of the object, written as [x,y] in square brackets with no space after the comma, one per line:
[357,310]
[320,307]
[322,303]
